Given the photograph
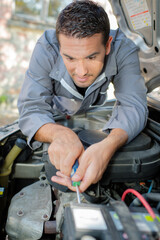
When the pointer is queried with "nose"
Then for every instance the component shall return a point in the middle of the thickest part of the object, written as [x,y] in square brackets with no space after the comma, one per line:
[81,69]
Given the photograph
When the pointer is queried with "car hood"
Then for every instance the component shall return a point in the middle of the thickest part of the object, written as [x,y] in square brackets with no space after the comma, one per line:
[140,21]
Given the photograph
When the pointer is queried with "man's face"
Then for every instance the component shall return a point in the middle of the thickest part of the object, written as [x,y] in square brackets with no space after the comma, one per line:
[84,58]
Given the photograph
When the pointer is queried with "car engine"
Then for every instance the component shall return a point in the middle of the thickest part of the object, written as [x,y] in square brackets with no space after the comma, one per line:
[31,208]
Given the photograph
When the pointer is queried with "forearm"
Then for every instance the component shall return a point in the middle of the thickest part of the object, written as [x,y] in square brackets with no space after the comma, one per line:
[48,132]
[116,139]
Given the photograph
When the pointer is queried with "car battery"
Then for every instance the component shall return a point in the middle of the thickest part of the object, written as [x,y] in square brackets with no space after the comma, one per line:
[92,221]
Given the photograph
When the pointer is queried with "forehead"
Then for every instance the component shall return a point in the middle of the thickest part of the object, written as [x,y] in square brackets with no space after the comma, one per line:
[81,46]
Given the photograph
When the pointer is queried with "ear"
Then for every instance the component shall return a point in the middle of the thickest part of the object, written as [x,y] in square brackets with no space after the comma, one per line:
[108,45]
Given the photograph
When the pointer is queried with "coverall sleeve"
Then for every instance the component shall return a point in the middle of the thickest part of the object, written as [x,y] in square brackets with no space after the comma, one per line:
[35,99]
[130,111]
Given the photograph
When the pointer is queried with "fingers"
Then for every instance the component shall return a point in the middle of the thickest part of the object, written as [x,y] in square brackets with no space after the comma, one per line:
[66,181]
[90,168]
[86,181]
[63,180]
[83,165]
[84,173]
[67,163]
[63,154]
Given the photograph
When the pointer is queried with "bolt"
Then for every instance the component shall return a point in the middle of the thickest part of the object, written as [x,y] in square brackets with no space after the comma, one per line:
[20,213]
[21,194]
[45,216]
[43,178]
[42,185]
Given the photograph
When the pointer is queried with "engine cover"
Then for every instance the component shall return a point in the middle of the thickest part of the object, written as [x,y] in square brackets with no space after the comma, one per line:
[136,161]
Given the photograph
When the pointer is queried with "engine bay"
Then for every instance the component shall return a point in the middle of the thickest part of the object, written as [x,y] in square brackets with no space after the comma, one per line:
[125,203]
[31,208]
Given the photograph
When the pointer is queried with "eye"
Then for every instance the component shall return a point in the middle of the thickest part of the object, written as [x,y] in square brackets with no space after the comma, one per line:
[92,57]
[70,58]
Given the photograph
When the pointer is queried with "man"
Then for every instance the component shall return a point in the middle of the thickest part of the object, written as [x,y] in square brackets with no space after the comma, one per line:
[69,71]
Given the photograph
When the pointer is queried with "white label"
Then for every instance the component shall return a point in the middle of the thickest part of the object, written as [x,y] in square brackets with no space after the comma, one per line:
[139,13]
[89,219]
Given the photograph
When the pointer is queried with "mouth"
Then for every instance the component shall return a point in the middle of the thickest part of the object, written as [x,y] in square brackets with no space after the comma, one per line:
[82,79]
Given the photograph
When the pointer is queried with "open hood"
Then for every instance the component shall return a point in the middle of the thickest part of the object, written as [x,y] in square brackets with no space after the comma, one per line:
[140,21]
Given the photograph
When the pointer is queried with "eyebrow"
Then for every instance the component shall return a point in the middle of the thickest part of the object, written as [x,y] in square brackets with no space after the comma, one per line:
[91,55]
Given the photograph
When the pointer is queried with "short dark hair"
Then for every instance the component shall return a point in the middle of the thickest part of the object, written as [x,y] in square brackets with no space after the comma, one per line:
[82,19]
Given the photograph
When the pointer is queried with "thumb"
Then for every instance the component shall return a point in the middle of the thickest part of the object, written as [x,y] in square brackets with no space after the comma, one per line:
[80,172]
[77,177]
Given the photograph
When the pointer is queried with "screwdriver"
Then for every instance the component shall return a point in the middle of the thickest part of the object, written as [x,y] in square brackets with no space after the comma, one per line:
[76,184]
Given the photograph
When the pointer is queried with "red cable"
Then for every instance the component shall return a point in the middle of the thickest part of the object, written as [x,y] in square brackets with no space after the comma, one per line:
[141,198]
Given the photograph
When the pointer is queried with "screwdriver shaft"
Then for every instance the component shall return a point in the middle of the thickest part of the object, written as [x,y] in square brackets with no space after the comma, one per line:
[78,194]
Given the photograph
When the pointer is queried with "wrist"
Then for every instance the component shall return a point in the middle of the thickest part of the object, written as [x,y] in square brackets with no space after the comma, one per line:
[116,139]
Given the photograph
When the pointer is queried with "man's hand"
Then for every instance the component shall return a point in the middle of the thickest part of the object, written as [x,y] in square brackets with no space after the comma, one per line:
[64,149]
[92,165]
[65,146]
[93,162]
